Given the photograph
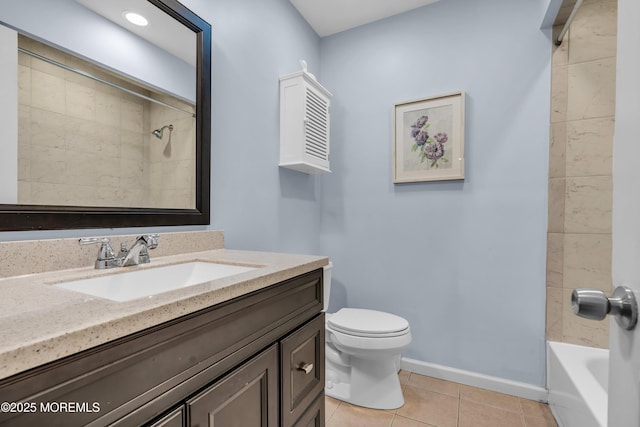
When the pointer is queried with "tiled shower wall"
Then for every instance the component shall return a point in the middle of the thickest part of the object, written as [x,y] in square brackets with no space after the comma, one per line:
[82,142]
[580,163]
[172,160]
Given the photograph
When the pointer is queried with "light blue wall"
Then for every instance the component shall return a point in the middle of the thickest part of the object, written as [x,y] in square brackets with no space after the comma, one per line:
[463,261]
[258,205]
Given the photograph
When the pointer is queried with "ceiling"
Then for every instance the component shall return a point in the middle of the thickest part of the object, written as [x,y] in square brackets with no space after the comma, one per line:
[163,30]
[328,17]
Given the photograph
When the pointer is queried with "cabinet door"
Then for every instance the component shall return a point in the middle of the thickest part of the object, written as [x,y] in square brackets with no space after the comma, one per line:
[248,396]
[314,417]
[173,419]
[302,369]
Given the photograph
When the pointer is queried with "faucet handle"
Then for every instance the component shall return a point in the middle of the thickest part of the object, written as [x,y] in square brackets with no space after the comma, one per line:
[93,240]
[150,240]
[123,250]
[106,255]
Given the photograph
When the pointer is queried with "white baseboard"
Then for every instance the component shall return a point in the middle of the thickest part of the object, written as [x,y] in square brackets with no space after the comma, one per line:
[501,385]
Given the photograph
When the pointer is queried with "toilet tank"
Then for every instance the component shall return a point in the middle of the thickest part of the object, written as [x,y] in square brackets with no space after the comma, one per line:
[327,284]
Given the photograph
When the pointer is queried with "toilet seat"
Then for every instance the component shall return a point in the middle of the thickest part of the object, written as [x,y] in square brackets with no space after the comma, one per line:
[368,323]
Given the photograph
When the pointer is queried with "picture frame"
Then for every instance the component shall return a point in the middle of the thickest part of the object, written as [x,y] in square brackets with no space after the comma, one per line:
[428,142]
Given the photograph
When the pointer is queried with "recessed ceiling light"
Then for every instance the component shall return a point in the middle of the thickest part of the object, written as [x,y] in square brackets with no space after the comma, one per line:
[135,18]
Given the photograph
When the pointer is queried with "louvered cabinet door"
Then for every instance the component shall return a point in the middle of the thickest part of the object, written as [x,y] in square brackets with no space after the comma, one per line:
[316,126]
[304,124]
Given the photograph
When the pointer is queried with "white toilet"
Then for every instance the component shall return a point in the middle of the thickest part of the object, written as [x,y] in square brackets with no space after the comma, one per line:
[363,353]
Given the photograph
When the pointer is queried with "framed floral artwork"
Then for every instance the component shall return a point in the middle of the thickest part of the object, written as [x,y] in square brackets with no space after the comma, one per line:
[429,139]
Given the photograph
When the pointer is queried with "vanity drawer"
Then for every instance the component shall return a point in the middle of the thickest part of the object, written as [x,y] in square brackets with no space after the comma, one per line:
[302,355]
[135,378]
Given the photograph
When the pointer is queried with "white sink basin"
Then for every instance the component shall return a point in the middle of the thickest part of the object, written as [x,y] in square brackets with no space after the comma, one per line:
[129,285]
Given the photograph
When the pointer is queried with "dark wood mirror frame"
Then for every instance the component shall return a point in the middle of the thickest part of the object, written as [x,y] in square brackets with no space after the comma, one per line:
[35,217]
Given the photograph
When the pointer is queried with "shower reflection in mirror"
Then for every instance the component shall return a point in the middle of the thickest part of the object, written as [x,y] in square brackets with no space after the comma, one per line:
[86,137]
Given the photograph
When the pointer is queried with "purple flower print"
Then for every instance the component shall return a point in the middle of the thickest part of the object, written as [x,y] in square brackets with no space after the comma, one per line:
[421,138]
[434,151]
[428,147]
[441,137]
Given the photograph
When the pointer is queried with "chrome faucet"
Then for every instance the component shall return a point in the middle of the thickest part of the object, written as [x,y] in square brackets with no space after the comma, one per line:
[137,254]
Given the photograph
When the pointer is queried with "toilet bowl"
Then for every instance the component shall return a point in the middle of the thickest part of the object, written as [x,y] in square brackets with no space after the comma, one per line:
[362,354]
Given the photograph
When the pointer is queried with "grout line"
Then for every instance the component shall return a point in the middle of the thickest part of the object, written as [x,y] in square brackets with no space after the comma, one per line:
[520,406]
[458,409]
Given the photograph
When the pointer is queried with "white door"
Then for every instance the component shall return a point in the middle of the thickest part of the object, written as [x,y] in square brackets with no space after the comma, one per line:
[624,365]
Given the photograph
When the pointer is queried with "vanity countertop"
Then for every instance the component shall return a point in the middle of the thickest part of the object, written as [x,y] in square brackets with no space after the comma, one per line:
[40,323]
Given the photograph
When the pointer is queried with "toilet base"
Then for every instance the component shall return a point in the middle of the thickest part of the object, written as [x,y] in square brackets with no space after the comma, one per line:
[369,383]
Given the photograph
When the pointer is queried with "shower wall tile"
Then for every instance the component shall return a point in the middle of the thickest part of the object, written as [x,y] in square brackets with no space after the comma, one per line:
[47,129]
[24,168]
[98,138]
[556,205]
[594,31]
[107,108]
[172,159]
[132,197]
[589,147]
[555,259]
[49,52]
[577,330]
[76,78]
[155,174]
[559,94]
[557,150]
[24,83]
[24,192]
[560,54]
[132,145]
[80,101]
[132,115]
[588,204]
[47,92]
[80,135]
[591,89]
[105,171]
[131,172]
[107,143]
[580,155]
[48,165]
[587,261]
[554,314]
[177,173]
[24,129]
[48,193]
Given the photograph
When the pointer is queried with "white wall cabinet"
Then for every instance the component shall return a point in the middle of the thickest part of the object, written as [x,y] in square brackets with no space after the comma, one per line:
[304,123]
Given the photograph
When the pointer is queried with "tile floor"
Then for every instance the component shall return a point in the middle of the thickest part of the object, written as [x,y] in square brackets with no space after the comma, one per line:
[434,402]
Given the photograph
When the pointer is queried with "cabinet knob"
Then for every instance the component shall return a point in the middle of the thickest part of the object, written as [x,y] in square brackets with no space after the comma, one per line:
[306,367]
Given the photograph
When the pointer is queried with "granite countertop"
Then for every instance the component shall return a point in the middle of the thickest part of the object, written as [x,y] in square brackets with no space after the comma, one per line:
[40,323]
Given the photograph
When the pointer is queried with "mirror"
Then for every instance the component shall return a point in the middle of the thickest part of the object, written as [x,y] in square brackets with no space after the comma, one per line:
[112,127]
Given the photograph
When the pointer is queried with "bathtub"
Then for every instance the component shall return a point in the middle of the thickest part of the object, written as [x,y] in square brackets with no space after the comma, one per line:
[577,378]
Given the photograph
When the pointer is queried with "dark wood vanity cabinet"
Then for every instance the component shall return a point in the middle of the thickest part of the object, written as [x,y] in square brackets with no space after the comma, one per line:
[302,363]
[257,360]
[246,397]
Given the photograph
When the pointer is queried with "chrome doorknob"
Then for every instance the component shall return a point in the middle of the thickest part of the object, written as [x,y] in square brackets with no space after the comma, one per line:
[594,304]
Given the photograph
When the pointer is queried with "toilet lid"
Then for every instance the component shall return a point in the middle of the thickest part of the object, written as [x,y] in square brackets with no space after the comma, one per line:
[368,323]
